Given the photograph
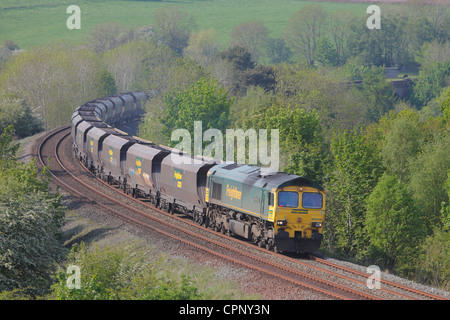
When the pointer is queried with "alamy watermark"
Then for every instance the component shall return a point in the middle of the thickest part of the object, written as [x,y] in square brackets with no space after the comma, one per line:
[74,277]
[374,21]
[374,281]
[74,21]
[259,152]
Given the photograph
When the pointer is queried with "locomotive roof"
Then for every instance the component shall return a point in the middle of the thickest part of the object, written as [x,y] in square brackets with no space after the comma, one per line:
[262,176]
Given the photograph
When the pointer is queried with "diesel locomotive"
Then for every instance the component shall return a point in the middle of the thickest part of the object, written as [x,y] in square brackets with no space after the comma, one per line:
[275,210]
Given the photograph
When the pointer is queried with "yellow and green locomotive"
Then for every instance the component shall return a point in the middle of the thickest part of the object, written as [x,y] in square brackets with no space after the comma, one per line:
[273,209]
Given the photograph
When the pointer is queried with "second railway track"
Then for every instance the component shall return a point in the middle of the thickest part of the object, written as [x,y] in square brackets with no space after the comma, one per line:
[319,278]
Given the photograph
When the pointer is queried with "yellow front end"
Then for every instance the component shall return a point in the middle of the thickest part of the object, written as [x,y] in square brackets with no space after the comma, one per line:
[298,218]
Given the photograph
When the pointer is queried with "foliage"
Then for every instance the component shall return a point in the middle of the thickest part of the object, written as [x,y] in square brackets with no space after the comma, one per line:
[301,139]
[198,103]
[246,72]
[127,63]
[379,94]
[278,51]
[31,218]
[55,78]
[108,36]
[202,47]
[435,259]
[174,25]
[239,57]
[121,273]
[321,90]
[357,168]
[432,78]
[445,106]
[395,226]
[304,30]
[446,207]
[326,54]
[428,177]
[403,142]
[251,36]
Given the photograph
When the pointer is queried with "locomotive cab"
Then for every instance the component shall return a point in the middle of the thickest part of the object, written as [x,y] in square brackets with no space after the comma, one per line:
[298,216]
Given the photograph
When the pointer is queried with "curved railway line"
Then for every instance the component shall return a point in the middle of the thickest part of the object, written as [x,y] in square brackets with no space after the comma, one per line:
[328,280]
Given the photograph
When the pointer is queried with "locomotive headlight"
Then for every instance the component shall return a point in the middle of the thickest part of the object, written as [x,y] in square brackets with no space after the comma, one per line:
[281,222]
[316,224]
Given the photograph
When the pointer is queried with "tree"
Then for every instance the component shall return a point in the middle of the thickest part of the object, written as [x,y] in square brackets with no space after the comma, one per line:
[202,47]
[15,111]
[239,57]
[403,142]
[302,148]
[304,29]
[435,259]
[355,172]
[321,90]
[378,47]
[173,26]
[340,24]
[7,48]
[204,101]
[445,106]
[326,54]
[278,51]
[434,52]
[127,62]
[31,217]
[251,36]
[395,226]
[53,79]
[430,81]
[428,178]
[378,93]
[246,72]
[107,36]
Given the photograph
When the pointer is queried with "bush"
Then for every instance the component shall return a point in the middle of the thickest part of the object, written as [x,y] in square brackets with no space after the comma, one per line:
[121,273]
[15,111]
[30,222]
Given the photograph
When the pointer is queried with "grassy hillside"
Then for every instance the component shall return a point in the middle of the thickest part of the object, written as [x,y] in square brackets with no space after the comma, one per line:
[31,23]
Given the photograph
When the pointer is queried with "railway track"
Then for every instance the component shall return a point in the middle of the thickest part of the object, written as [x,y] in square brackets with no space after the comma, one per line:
[296,272]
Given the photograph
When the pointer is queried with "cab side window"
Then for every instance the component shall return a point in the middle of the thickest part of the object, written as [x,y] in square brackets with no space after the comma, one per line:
[271,201]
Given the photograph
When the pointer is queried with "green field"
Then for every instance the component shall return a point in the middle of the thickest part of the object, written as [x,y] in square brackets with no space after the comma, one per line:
[33,23]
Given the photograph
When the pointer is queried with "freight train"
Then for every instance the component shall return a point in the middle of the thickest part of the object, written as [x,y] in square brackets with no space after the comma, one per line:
[275,210]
